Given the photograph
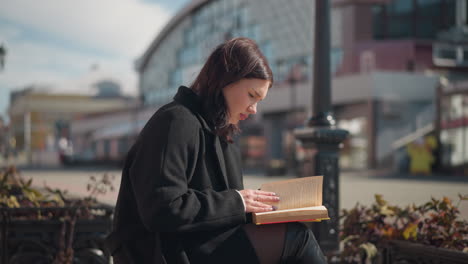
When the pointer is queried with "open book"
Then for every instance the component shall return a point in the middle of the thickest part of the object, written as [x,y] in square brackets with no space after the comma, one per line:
[301,201]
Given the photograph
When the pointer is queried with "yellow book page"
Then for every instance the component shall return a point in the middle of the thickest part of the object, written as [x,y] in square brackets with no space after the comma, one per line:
[320,208]
[296,193]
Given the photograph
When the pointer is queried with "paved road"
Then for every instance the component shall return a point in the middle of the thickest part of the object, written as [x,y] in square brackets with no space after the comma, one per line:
[355,187]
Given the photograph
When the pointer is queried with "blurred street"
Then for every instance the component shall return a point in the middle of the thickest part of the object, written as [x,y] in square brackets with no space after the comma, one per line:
[355,187]
[375,90]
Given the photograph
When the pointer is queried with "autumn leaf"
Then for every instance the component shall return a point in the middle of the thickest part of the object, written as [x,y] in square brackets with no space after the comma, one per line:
[379,199]
[349,238]
[370,249]
[463,197]
[12,202]
[410,231]
[446,203]
[384,210]
[388,232]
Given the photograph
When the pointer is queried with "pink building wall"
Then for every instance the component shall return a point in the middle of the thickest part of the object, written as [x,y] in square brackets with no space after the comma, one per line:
[391,55]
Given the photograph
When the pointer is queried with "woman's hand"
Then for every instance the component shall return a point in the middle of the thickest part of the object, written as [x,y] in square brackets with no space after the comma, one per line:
[255,200]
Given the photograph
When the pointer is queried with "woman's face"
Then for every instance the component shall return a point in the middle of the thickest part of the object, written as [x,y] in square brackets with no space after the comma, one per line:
[242,98]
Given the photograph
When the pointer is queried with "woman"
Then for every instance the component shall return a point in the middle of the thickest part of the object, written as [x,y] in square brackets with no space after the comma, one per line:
[181,198]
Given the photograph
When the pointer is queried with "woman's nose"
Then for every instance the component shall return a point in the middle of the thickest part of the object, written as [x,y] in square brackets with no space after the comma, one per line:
[252,108]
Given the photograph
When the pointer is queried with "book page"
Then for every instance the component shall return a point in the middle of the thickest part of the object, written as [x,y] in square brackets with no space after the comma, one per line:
[295,193]
[320,208]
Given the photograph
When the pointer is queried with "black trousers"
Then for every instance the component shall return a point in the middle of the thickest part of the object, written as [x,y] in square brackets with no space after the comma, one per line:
[235,250]
[300,247]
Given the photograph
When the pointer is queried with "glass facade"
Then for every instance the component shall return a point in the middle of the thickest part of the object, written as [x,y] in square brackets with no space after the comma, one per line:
[413,18]
[283,32]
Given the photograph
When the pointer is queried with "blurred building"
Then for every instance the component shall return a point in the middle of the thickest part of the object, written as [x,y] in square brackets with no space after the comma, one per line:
[106,137]
[3,132]
[452,124]
[3,139]
[388,48]
[385,76]
[40,120]
[451,54]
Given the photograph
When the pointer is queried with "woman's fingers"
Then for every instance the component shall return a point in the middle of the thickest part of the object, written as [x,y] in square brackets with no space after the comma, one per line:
[260,196]
[263,196]
[256,200]
[261,205]
[257,207]
[261,209]
[265,193]
[266,198]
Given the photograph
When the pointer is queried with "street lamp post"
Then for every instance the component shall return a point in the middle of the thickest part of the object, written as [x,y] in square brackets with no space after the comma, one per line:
[2,56]
[295,76]
[320,133]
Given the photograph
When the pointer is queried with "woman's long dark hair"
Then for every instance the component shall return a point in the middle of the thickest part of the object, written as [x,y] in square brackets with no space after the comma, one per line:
[230,62]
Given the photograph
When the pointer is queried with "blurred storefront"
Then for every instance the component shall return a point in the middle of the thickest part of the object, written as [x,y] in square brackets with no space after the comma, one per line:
[354,154]
[453,126]
[40,121]
[105,138]
[253,151]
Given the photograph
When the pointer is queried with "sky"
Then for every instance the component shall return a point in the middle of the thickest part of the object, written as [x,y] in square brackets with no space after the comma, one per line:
[62,43]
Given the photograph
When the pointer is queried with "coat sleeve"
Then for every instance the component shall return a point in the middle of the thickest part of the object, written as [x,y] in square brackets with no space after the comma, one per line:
[163,164]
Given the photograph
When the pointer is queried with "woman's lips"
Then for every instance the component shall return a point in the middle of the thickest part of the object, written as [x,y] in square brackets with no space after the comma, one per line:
[243,117]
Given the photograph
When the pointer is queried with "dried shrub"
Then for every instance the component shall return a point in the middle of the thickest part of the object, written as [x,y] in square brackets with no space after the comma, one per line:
[366,229]
[19,195]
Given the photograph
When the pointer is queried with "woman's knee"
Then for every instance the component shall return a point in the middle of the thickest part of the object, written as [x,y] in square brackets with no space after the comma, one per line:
[267,240]
[300,246]
[300,230]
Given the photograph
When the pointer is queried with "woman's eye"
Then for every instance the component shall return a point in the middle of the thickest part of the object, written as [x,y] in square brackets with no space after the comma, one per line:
[250,95]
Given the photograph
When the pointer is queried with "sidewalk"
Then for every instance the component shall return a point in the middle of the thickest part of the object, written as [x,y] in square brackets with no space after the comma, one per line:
[355,187]
[401,189]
